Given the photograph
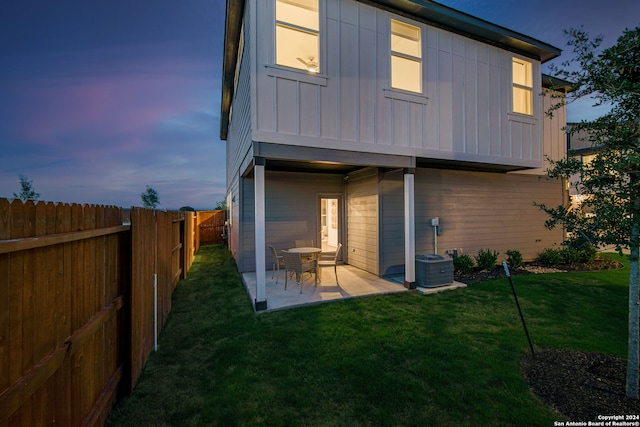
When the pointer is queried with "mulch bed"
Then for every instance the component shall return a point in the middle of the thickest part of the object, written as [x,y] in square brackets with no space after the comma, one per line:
[478,275]
[580,386]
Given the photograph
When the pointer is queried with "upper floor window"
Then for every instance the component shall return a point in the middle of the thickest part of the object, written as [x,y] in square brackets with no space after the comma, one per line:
[406,57]
[522,86]
[298,34]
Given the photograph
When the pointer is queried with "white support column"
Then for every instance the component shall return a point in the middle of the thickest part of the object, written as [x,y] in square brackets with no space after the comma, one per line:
[409,230]
[258,182]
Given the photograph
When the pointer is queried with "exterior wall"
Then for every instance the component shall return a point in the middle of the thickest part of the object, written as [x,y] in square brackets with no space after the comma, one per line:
[238,143]
[477,210]
[362,220]
[463,113]
[554,137]
[291,209]
[392,223]
[233,210]
[581,141]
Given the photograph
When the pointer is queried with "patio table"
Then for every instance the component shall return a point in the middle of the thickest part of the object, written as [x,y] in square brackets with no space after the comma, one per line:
[313,252]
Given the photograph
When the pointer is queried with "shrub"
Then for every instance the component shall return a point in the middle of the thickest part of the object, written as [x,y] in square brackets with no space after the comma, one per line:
[486,259]
[514,259]
[583,250]
[588,254]
[550,257]
[463,264]
[573,255]
[570,255]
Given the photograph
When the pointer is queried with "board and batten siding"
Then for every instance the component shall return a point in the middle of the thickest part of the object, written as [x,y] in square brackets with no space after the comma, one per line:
[238,145]
[463,113]
[291,211]
[480,210]
[362,220]
[554,136]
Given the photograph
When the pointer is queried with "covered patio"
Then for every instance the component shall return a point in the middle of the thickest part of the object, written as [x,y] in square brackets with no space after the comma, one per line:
[354,282]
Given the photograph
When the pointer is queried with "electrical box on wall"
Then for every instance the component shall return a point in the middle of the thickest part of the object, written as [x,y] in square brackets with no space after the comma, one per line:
[453,252]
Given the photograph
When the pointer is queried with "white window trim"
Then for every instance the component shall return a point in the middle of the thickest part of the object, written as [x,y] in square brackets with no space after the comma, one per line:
[394,91]
[295,27]
[520,116]
[405,95]
[296,74]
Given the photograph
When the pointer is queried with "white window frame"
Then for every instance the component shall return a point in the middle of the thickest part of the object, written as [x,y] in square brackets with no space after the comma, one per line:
[238,60]
[529,66]
[303,30]
[406,56]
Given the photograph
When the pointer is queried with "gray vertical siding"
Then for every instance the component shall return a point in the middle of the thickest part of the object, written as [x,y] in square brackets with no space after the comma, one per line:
[239,135]
[463,112]
[554,137]
[238,143]
[362,220]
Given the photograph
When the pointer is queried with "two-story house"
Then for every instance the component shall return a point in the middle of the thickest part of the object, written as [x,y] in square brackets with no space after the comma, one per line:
[361,121]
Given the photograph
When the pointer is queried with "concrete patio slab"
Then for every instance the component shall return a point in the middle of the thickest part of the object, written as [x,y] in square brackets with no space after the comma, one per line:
[353,282]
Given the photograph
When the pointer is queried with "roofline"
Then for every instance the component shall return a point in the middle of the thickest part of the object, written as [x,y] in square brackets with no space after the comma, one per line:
[585,150]
[436,14]
[557,84]
[426,11]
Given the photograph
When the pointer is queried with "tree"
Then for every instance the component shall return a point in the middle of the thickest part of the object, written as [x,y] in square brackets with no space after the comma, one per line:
[26,192]
[150,198]
[187,209]
[221,205]
[611,180]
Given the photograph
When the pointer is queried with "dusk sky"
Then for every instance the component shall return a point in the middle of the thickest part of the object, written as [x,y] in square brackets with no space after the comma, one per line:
[100,98]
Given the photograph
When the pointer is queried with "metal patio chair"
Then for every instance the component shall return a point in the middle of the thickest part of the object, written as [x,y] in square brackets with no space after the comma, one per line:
[328,260]
[294,264]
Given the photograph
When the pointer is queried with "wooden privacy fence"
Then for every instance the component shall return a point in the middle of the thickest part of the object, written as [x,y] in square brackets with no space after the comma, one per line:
[162,242]
[77,312]
[210,227]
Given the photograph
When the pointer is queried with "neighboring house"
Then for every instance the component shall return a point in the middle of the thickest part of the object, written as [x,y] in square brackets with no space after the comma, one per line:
[581,145]
[360,121]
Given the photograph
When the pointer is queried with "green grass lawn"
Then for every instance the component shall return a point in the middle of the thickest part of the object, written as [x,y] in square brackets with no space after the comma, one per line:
[448,359]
